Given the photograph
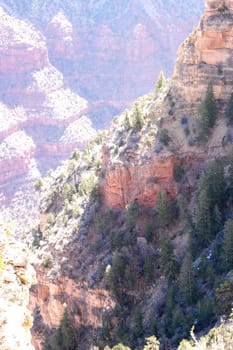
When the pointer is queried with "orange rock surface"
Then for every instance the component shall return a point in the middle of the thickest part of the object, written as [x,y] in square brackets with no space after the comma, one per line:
[141,183]
[85,305]
[206,55]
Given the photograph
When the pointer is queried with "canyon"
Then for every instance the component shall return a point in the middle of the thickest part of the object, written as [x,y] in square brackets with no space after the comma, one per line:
[50,88]
[96,207]
[136,165]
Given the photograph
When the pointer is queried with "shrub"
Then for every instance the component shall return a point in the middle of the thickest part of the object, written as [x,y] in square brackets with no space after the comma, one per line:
[178,173]
[164,137]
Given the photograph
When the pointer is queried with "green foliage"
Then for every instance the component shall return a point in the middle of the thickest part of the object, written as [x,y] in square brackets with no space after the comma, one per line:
[126,121]
[115,272]
[203,218]
[178,173]
[205,311]
[164,137]
[148,268]
[211,199]
[152,343]
[149,233]
[207,115]
[88,185]
[39,184]
[161,83]
[137,119]
[224,298]
[187,280]
[131,212]
[137,322]
[164,210]
[228,245]
[64,337]
[168,263]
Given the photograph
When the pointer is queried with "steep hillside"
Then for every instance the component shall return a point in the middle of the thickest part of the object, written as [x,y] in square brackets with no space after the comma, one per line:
[140,223]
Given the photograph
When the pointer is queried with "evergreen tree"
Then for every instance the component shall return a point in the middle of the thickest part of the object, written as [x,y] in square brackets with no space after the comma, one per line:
[186,279]
[163,208]
[228,244]
[217,220]
[148,268]
[208,114]
[161,83]
[168,263]
[63,337]
[203,218]
[137,118]
[137,321]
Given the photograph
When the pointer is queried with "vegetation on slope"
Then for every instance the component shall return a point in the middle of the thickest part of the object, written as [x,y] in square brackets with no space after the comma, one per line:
[168,267]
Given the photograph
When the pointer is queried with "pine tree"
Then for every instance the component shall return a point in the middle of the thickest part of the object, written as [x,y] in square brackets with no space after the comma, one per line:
[168,263]
[217,220]
[203,218]
[137,320]
[161,83]
[186,279]
[163,208]
[207,114]
[137,118]
[63,337]
[228,244]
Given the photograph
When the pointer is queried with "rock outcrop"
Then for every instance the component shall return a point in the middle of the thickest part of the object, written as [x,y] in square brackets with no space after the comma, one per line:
[206,56]
[86,305]
[16,277]
[139,183]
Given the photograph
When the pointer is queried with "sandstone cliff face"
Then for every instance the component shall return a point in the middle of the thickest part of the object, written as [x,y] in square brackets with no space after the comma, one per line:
[86,305]
[206,55]
[139,183]
[16,277]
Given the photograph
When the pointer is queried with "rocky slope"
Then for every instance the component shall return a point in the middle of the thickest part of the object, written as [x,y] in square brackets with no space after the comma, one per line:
[16,277]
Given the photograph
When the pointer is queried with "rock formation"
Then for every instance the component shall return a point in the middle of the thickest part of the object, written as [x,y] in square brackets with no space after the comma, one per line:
[135,163]
[16,277]
[206,55]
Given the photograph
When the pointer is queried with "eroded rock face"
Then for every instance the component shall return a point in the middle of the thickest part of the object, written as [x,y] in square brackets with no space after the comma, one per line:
[125,184]
[206,55]
[16,277]
[85,305]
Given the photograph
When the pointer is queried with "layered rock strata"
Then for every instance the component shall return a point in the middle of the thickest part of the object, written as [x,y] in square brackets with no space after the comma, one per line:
[206,56]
